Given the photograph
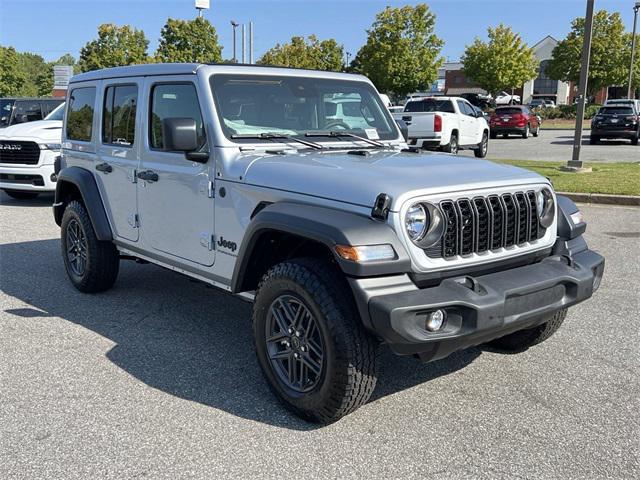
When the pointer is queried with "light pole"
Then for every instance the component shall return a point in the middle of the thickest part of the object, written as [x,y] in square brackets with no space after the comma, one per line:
[234,25]
[575,164]
[348,55]
[633,48]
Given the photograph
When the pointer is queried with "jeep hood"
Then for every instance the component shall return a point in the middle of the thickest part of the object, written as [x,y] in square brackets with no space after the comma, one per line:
[41,130]
[359,179]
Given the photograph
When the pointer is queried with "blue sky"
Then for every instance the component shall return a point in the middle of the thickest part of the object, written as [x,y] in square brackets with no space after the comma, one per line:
[54,27]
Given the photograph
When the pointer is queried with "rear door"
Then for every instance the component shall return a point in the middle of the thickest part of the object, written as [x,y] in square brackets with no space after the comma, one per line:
[177,206]
[466,123]
[118,154]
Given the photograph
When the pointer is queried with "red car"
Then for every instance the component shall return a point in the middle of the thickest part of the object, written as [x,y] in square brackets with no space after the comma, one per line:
[516,119]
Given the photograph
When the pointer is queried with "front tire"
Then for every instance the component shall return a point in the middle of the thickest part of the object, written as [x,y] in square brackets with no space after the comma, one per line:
[315,354]
[21,195]
[483,147]
[523,339]
[452,146]
[92,265]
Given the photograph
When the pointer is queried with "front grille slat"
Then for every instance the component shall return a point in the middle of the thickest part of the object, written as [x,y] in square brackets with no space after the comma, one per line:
[14,152]
[484,224]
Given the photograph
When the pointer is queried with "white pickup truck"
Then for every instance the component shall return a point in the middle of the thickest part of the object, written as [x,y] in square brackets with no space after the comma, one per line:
[445,123]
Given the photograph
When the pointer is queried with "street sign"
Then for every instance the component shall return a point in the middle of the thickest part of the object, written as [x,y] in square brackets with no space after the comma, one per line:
[202,4]
[61,76]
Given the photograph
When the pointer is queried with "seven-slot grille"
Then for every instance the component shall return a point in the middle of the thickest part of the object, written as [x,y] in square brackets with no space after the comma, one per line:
[17,152]
[481,224]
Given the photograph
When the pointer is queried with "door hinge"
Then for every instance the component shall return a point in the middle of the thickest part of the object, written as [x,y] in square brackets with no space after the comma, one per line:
[211,189]
[207,241]
[133,175]
[133,220]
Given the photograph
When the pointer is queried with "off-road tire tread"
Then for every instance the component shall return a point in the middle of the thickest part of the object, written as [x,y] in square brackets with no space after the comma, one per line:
[356,349]
[523,339]
[103,260]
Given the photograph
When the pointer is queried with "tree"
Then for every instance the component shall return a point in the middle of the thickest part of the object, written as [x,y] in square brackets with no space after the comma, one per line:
[306,53]
[69,60]
[502,63]
[189,41]
[114,47]
[35,71]
[610,53]
[11,77]
[402,53]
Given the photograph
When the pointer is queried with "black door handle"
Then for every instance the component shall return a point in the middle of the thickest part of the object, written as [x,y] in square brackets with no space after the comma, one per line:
[148,175]
[104,167]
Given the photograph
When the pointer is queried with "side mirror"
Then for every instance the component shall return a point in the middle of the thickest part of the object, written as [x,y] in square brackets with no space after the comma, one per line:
[404,129]
[181,135]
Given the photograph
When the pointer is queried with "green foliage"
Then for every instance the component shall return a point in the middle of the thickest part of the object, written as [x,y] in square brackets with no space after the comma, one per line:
[566,112]
[402,53]
[502,63]
[114,47]
[12,78]
[189,41]
[36,72]
[69,60]
[610,53]
[308,53]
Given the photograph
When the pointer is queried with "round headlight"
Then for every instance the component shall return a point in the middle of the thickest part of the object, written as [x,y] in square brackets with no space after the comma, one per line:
[424,224]
[416,222]
[546,207]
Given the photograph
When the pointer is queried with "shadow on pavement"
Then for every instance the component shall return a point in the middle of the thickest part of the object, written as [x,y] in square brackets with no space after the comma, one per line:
[177,335]
[42,200]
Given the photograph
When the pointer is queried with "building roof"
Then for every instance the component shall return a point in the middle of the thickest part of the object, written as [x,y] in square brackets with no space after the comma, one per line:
[548,37]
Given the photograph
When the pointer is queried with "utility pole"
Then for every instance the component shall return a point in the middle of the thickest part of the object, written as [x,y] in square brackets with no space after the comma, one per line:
[234,25]
[348,55]
[244,44]
[575,164]
[633,48]
[251,43]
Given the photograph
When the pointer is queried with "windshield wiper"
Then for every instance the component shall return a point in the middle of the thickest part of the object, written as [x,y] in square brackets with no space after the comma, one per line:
[337,134]
[277,136]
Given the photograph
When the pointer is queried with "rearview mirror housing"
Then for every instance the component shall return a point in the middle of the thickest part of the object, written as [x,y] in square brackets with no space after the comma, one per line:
[404,129]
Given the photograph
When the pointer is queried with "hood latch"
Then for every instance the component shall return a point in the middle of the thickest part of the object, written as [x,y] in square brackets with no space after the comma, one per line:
[381,207]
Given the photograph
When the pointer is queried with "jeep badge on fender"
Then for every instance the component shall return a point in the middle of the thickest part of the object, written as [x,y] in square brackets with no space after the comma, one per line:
[346,240]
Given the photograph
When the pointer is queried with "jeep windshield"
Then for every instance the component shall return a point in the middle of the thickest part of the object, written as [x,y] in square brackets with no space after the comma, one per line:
[260,108]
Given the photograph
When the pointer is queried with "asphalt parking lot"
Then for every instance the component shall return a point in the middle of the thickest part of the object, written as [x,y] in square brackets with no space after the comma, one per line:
[157,379]
[557,145]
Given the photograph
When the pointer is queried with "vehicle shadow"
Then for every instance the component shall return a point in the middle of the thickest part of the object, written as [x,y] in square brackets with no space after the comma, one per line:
[42,200]
[178,335]
[568,140]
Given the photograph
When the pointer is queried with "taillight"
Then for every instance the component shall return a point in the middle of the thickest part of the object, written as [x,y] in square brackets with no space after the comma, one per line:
[437,123]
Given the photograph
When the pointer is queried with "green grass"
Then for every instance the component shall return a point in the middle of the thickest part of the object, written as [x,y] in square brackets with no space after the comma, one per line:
[609,178]
[563,124]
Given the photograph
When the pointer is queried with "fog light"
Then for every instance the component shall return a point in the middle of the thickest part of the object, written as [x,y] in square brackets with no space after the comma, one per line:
[435,320]
[54,177]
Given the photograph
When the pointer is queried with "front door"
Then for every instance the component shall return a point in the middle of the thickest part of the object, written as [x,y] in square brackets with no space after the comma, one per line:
[117,158]
[176,204]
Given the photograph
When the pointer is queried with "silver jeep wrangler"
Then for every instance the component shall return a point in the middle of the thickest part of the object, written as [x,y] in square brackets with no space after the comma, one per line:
[296,189]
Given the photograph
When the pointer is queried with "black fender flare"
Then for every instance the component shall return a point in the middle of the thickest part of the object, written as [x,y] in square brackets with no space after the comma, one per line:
[83,180]
[328,226]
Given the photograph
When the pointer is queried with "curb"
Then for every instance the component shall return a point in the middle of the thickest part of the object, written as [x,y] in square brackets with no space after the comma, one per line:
[603,199]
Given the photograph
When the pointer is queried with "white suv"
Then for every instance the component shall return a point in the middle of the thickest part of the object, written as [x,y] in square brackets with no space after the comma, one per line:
[28,153]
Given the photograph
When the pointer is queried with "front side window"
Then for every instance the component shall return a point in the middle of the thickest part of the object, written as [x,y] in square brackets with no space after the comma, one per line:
[80,116]
[253,105]
[174,100]
[119,115]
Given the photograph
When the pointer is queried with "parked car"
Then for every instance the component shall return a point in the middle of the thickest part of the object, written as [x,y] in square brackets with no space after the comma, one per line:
[343,238]
[481,101]
[504,98]
[28,155]
[624,102]
[541,103]
[445,123]
[616,121]
[15,110]
[516,119]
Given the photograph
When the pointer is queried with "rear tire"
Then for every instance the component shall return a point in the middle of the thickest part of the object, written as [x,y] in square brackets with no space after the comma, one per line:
[483,147]
[327,342]
[634,140]
[452,146]
[527,130]
[593,140]
[523,339]
[21,194]
[92,265]
[536,132]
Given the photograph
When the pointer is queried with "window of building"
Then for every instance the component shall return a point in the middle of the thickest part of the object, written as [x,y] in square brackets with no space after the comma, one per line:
[543,85]
[119,115]
[174,100]
[80,115]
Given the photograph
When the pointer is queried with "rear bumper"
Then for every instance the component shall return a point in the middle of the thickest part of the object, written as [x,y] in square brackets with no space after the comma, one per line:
[479,309]
[507,129]
[611,133]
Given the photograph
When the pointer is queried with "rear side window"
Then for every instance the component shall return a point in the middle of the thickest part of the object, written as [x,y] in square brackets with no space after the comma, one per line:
[430,105]
[119,115]
[174,100]
[80,113]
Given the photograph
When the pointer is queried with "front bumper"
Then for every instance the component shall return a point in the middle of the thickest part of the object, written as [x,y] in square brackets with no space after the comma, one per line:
[32,178]
[479,309]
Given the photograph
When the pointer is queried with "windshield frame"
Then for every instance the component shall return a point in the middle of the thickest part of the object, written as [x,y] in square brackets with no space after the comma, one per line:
[394,137]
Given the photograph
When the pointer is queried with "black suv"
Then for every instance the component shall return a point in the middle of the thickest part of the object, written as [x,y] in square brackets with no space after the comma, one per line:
[22,110]
[616,122]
